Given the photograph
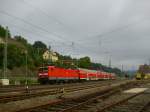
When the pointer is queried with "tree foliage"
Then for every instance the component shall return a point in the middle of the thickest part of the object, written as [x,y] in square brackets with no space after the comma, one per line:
[84,62]
[3,32]
[15,55]
[39,45]
[37,50]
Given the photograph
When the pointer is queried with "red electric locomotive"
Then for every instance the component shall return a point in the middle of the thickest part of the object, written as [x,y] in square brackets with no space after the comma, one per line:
[54,74]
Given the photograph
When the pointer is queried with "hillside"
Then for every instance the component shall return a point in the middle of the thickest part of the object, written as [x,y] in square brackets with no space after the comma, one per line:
[19,49]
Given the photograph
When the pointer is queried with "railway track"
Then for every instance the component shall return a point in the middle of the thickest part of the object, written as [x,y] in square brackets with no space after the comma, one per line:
[22,88]
[82,104]
[51,91]
[69,105]
[146,108]
[139,102]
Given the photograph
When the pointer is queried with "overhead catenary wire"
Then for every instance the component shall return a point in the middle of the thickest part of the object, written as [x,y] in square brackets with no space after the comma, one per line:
[31,24]
[60,37]
[39,28]
[45,13]
[31,31]
[42,29]
[100,35]
[103,35]
[50,17]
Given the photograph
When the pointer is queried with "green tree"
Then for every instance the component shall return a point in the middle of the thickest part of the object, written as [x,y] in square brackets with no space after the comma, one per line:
[3,32]
[15,56]
[85,62]
[39,46]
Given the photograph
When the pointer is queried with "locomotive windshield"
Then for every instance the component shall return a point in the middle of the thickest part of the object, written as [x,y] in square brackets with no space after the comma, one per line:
[43,69]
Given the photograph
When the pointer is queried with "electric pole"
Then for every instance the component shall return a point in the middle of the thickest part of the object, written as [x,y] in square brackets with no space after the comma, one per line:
[5,53]
[122,68]
[26,54]
[49,54]
[110,62]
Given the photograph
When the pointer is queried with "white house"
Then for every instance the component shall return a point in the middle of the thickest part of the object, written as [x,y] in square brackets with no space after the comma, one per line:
[50,55]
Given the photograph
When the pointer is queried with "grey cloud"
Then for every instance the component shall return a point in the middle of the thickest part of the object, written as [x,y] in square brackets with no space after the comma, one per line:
[87,23]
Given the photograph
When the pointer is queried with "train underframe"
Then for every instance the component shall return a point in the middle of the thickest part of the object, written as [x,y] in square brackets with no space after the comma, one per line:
[46,80]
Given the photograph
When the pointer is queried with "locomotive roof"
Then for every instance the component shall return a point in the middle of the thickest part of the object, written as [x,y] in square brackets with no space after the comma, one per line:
[87,70]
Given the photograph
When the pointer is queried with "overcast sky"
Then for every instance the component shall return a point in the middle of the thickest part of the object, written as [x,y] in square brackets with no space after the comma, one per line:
[101,29]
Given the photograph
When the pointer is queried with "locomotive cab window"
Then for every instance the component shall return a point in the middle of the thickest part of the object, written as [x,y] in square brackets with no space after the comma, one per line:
[43,69]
